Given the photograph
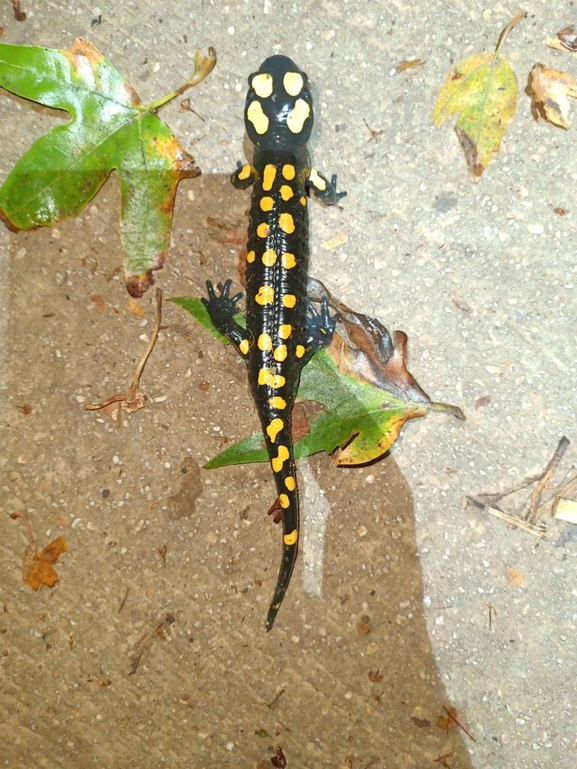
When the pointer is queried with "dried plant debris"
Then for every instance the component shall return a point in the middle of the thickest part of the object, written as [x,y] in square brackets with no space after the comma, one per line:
[134,399]
[542,504]
[565,40]
[38,565]
[552,90]
[146,642]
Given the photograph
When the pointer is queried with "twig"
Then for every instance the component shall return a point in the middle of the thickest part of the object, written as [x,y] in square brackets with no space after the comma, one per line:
[134,399]
[492,610]
[452,717]
[123,601]
[545,480]
[145,644]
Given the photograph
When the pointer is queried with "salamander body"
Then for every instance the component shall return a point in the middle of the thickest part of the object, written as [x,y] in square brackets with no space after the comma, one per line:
[283,329]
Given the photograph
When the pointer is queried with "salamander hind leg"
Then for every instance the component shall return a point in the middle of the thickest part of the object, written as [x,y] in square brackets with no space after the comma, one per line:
[243,177]
[222,309]
[322,189]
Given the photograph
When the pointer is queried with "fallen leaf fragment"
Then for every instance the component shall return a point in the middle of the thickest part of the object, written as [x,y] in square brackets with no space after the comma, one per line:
[566,40]
[38,565]
[565,510]
[402,66]
[337,240]
[514,578]
[552,89]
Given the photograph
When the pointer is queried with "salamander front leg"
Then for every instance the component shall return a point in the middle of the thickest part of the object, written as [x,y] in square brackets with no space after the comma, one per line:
[243,177]
[320,329]
[222,310]
[322,189]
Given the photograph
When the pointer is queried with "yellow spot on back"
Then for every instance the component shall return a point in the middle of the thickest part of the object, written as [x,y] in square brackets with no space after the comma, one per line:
[288,261]
[262,85]
[286,223]
[285,330]
[300,351]
[256,116]
[244,172]
[265,377]
[284,501]
[280,353]
[269,257]
[264,342]
[251,256]
[268,176]
[276,402]
[265,295]
[288,171]
[296,118]
[278,461]
[277,381]
[293,83]
[244,346]
[290,483]
[291,539]
[316,180]
[263,230]
[266,203]
[286,192]
[274,428]
[289,300]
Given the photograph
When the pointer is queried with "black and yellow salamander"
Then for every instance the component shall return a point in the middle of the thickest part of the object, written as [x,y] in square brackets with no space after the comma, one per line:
[283,329]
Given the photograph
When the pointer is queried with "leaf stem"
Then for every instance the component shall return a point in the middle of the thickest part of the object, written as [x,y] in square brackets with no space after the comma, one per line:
[513,23]
[447,408]
[203,66]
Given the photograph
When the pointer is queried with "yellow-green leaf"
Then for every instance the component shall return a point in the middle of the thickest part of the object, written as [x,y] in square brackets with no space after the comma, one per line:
[482,90]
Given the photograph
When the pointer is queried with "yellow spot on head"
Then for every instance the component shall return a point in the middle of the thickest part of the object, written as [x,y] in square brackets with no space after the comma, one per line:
[256,116]
[262,85]
[274,428]
[264,342]
[278,461]
[251,256]
[283,500]
[280,353]
[244,172]
[285,330]
[317,180]
[276,402]
[300,351]
[265,295]
[296,118]
[266,203]
[292,538]
[263,230]
[290,483]
[293,83]
[268,176]
[286,192]
[286,223]
[288,261]
[269,257]
[288,171]
[244,346]
[289,300]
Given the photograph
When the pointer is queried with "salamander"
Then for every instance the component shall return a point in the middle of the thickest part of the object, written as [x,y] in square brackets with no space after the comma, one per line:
[283,328]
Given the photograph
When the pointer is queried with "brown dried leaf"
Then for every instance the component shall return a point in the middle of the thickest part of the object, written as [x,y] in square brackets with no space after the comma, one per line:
[551,90]
[38,566]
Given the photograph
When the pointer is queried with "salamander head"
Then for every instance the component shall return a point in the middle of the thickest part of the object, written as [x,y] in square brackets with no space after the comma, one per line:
[279,107]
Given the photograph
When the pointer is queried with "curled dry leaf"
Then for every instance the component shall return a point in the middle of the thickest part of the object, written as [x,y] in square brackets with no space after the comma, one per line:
[551,90]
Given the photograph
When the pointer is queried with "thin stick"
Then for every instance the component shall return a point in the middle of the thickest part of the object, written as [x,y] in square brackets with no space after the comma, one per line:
[513,23]
[537,531]
[452,717]
[153,338]
[146,642]
[546,479]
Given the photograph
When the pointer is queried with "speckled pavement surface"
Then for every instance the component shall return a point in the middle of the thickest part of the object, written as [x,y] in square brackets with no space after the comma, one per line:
[480,276]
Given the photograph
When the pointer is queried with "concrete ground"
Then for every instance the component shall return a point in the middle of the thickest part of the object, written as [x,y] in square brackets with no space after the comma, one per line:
[151,651]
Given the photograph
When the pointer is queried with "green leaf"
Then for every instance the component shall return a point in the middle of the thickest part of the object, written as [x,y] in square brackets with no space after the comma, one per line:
[362,420]
[109,129]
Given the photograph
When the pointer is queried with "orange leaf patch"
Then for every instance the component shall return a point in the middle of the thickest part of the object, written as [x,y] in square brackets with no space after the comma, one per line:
[38,565]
